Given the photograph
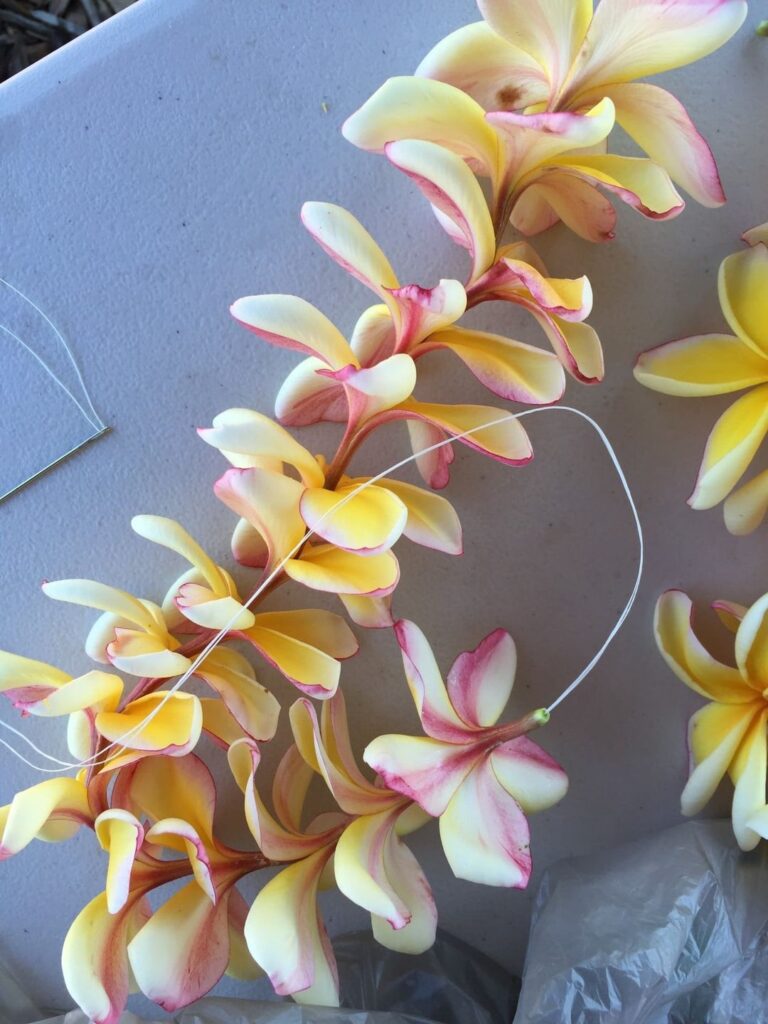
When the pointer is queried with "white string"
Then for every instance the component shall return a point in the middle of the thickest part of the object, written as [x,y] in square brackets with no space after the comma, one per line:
[94,419]
[95,761]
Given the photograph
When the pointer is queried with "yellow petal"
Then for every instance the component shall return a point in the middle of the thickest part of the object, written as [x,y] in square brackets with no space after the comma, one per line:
[232,676]
[174,730]
[492,70]
[246,432]
[377,388]
[270,503]
[418,108]
[369,612]
[307,397]
[121,835]
[714,735]
[689,659]
[503,439]
[641,184]
[731,446]
[324,630]
[367,522]
[172,535]
[55,802]
[707,364]
[432,521]
[748,771]
[745,508]
[325,567]
[144,655]
[291,322]
[752,644]
[629,39]
[286,935]
[743,287]
[450,186]
[116,602]
[347,242]
[757,234]
[308,668]
[169,787]
[17,672]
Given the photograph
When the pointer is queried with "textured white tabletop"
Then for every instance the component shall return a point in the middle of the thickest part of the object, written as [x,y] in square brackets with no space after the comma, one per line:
[152,172]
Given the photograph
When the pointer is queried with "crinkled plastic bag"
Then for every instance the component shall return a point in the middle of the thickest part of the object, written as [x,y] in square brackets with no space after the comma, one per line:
[672,929]
[450,984]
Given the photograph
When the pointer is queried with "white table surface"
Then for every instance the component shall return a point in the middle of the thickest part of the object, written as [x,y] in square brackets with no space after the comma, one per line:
[152,172]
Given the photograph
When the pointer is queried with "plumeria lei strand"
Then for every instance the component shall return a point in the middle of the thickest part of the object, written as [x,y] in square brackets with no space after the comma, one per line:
[527,99]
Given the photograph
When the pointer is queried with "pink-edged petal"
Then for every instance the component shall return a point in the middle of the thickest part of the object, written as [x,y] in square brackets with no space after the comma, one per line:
[480,681]
[422,311]
[323,630]
[744,509]
[576,345]
[369,612]
[432,462]
[183,950]
[485,834]
[94,959]
[730,613]
[173,729]
[689,659]
[270,503]
[511,279]
[287,937]
[439,718]
[374,335]
[662,127]
[121,835]
[241,964]
[248,546]
[636,38]
[345,240]
[328,568]
[251,705]
[175,834]
[291,322]
[432,521]
[165,787]
[529,774]
[641,184]
[446,181]
[51,810]
[427,771]
[367,520]
[375,870]
[308,668]
[510,369]
[490,69]
[376,388]
[558,195]
[306,397]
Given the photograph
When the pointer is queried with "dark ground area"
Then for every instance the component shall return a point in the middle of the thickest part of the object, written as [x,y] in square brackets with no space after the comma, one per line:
[29,29]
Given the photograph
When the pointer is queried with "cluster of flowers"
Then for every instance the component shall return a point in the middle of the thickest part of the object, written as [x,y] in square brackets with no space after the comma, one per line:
[527,98]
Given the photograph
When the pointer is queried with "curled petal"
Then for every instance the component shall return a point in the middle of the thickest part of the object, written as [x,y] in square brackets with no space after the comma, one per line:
[643,185]
[559,195]
[376,388]
[170,534]
[183,950]
[420,312]
[452,188]
[480,681]
[730,613]
[325,567]
[27,675]
[432,462]
[324,630]
[511,279]
[743,288]
[432,521]
[689,659]
[52,810]
[347,242]
[707,364]
[94,959]
[485,429]
[368,522]
[165,787]
[286,935]
[307,397]
[510,369]
[418,108]
[374,336]
[243,432]
[748,771]
[636,38]
[440,719]
[714,735]
[529,774]
[200,605]
[173,730]
[175,834]
[369,612]
[121,835]
[142,654]
[95,691]
[241,964]
[307,667]
[116,602]
[660,125]
[290,322]
[731,446]
[577,346]
[745,508]
[752,644]
[492,70]
[484,832]
[232,676]
[270,503]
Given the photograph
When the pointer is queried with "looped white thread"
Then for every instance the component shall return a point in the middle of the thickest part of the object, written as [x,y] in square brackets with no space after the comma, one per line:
[95,761]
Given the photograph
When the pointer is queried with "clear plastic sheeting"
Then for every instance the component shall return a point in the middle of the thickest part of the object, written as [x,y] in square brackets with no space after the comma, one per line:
[450,984]
[672,929]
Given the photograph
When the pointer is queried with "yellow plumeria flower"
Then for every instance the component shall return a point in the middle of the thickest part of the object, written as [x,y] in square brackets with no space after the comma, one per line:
[559,55]
[716,364]
[728,735]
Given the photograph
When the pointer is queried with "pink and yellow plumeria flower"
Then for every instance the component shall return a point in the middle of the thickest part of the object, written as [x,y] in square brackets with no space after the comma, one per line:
[716,364]
[728,735]
[478,777]
[542,167]
[557,55]
[359,847]
[177,953]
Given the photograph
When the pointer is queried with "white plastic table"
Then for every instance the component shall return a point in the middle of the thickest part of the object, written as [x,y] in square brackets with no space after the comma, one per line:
[153,171]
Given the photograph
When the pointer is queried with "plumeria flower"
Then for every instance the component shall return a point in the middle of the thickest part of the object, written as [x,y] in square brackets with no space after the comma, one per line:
[373,396]
[553,56]
[179,952]
[52,811]
[360,847]
[716,364]
[479,778]
[542,166]
[727,735]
